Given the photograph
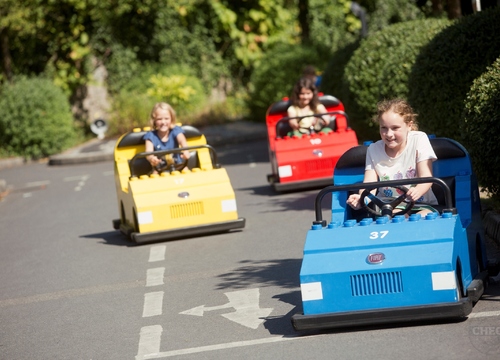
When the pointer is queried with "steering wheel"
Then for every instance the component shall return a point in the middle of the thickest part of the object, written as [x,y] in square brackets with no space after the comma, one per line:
[386,206]
[164,166]
[312,129]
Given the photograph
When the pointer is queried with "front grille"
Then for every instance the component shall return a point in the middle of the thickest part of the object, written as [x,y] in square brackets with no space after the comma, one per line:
[376,283]
[319,165]
[185,210]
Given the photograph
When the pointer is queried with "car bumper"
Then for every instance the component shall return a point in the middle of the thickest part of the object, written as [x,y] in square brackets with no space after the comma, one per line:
[301,185]
[450,310]
[458,309]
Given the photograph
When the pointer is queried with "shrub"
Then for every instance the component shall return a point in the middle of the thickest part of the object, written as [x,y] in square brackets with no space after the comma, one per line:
[445,69]
[276,74]
[153,83]
[380,67]
[35,119]
[480,126]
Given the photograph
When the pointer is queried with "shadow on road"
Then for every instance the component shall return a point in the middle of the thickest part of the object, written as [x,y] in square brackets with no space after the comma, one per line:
[110,238]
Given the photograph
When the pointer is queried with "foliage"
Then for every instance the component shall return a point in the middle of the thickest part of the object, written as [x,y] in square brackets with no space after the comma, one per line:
[334,83]
[380,67]
[35,119]
[279,70]
[51,37]
[185,93]
[389,12]
[153,83]
[329,25]
[130,110]
[481,124]
[445,69]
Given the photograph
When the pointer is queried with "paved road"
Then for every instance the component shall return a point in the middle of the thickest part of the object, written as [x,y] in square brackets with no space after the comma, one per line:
[73,288]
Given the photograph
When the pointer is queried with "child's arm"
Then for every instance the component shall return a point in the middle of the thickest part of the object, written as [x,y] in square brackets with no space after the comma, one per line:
[294,124]
[181,139]
[353,200]
[325,119]
[153,160]
[424,169]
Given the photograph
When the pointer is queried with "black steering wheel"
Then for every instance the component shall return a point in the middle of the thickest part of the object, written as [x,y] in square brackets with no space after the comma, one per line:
[312,129]
[386,205]
[164,166]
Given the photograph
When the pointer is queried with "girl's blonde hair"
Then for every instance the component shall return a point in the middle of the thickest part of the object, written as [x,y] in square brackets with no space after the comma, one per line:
[163,106]
[400,107]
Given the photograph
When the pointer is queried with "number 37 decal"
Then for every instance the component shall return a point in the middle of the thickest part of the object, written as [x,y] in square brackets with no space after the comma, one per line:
[379,234]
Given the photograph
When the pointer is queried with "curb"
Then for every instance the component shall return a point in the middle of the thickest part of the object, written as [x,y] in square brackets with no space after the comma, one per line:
[81,158]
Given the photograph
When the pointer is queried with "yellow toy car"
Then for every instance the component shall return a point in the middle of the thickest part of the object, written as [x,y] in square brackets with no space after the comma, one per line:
[182,200]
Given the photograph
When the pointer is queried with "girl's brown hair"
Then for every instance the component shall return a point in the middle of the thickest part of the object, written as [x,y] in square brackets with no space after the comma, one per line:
[400,107]
[163,106]
[308,83]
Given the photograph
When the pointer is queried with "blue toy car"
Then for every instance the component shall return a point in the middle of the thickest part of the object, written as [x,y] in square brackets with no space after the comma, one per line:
[369,267]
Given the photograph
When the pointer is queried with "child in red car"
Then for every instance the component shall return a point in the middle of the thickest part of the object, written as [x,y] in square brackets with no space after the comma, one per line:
[305,102]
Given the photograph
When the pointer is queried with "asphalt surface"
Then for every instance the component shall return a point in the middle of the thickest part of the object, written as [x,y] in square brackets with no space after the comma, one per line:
[217,135]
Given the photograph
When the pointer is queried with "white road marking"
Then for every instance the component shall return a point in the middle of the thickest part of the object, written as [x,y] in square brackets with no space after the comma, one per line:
[155,276]
[153,304]
[38,183]
[27,195]
[75,178]
[108,173]
[149,341]
[231,345]
[154,354]
[157,253]
[484,314]
[81,181]
[246,305]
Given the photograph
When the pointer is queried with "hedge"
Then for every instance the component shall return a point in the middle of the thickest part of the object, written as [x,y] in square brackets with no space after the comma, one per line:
[446,68]
[35,119]
[380,67]
[481,125]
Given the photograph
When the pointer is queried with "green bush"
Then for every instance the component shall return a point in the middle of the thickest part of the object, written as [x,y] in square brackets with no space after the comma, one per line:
[153,83]
[480,126]
[276,74]
[35,119]
[445,69]
[380,67]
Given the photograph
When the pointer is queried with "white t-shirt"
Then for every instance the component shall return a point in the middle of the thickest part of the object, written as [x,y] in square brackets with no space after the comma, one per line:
[404,166]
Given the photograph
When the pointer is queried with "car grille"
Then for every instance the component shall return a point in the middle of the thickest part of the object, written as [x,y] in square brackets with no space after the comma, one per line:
[185,210]
[376,283]
[318,165]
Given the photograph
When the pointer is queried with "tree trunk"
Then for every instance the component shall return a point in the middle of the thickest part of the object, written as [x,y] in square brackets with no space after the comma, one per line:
[6,58]
[454,9]
[437,7]
[304,20]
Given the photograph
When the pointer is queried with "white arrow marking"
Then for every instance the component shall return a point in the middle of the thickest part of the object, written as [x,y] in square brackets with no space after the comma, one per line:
[246,304]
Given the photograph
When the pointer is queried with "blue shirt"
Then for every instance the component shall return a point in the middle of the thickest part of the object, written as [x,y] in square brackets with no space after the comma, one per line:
[171,142]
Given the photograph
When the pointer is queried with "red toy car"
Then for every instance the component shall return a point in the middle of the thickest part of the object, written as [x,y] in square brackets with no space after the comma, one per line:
[307,161]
